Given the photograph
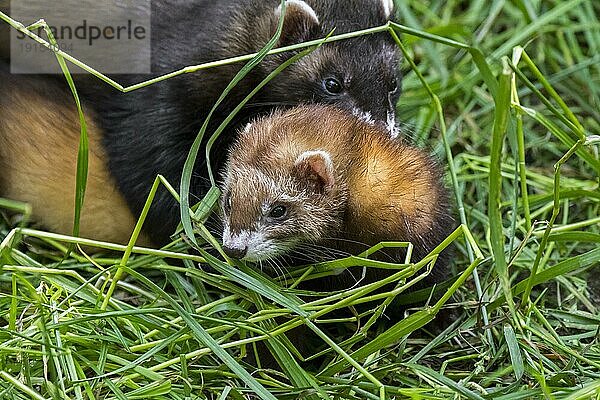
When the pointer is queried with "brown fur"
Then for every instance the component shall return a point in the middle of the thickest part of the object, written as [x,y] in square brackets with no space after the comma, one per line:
[39,137]
[345,185]
[386,190]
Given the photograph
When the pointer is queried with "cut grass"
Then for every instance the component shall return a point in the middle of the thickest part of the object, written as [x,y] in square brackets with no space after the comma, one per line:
[520,137]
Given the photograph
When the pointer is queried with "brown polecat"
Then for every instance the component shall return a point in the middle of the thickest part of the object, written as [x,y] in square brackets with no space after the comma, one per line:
[316,175]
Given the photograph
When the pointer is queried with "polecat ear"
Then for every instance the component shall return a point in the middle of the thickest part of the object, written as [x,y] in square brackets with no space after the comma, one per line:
[315,168]
[388,8]
[300,23]
[247,128]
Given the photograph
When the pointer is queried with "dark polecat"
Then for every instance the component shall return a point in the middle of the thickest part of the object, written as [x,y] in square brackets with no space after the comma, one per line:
[315,175]
[150,131]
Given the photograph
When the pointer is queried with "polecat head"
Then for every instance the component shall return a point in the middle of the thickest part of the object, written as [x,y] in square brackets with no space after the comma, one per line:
[275,199]
[360,75]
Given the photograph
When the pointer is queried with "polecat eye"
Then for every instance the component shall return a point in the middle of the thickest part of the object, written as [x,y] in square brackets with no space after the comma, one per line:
[278,212]
[332,85]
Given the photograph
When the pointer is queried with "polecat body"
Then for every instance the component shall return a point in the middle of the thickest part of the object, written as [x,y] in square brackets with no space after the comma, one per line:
[315,175]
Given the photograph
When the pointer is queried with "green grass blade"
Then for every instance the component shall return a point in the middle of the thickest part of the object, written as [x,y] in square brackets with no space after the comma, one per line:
[501,115]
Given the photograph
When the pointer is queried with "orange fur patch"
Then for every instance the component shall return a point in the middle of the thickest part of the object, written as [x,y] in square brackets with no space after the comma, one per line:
[39,138]
[395,184]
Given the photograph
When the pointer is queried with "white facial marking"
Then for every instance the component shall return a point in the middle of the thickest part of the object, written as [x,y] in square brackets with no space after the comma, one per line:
[290,199]
[266,249]
[391,124]
[388,7]
[302,5]
[264,207]
[236,242]
[258,247]
[364,116]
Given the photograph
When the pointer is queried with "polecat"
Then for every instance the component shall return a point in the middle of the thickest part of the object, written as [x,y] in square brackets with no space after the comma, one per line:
[150,131]
[318,176]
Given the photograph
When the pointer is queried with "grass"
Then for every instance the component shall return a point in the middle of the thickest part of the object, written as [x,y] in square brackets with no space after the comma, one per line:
[518,122]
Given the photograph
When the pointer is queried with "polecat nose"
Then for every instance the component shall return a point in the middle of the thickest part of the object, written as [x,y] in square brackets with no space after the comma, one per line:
[235,252]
